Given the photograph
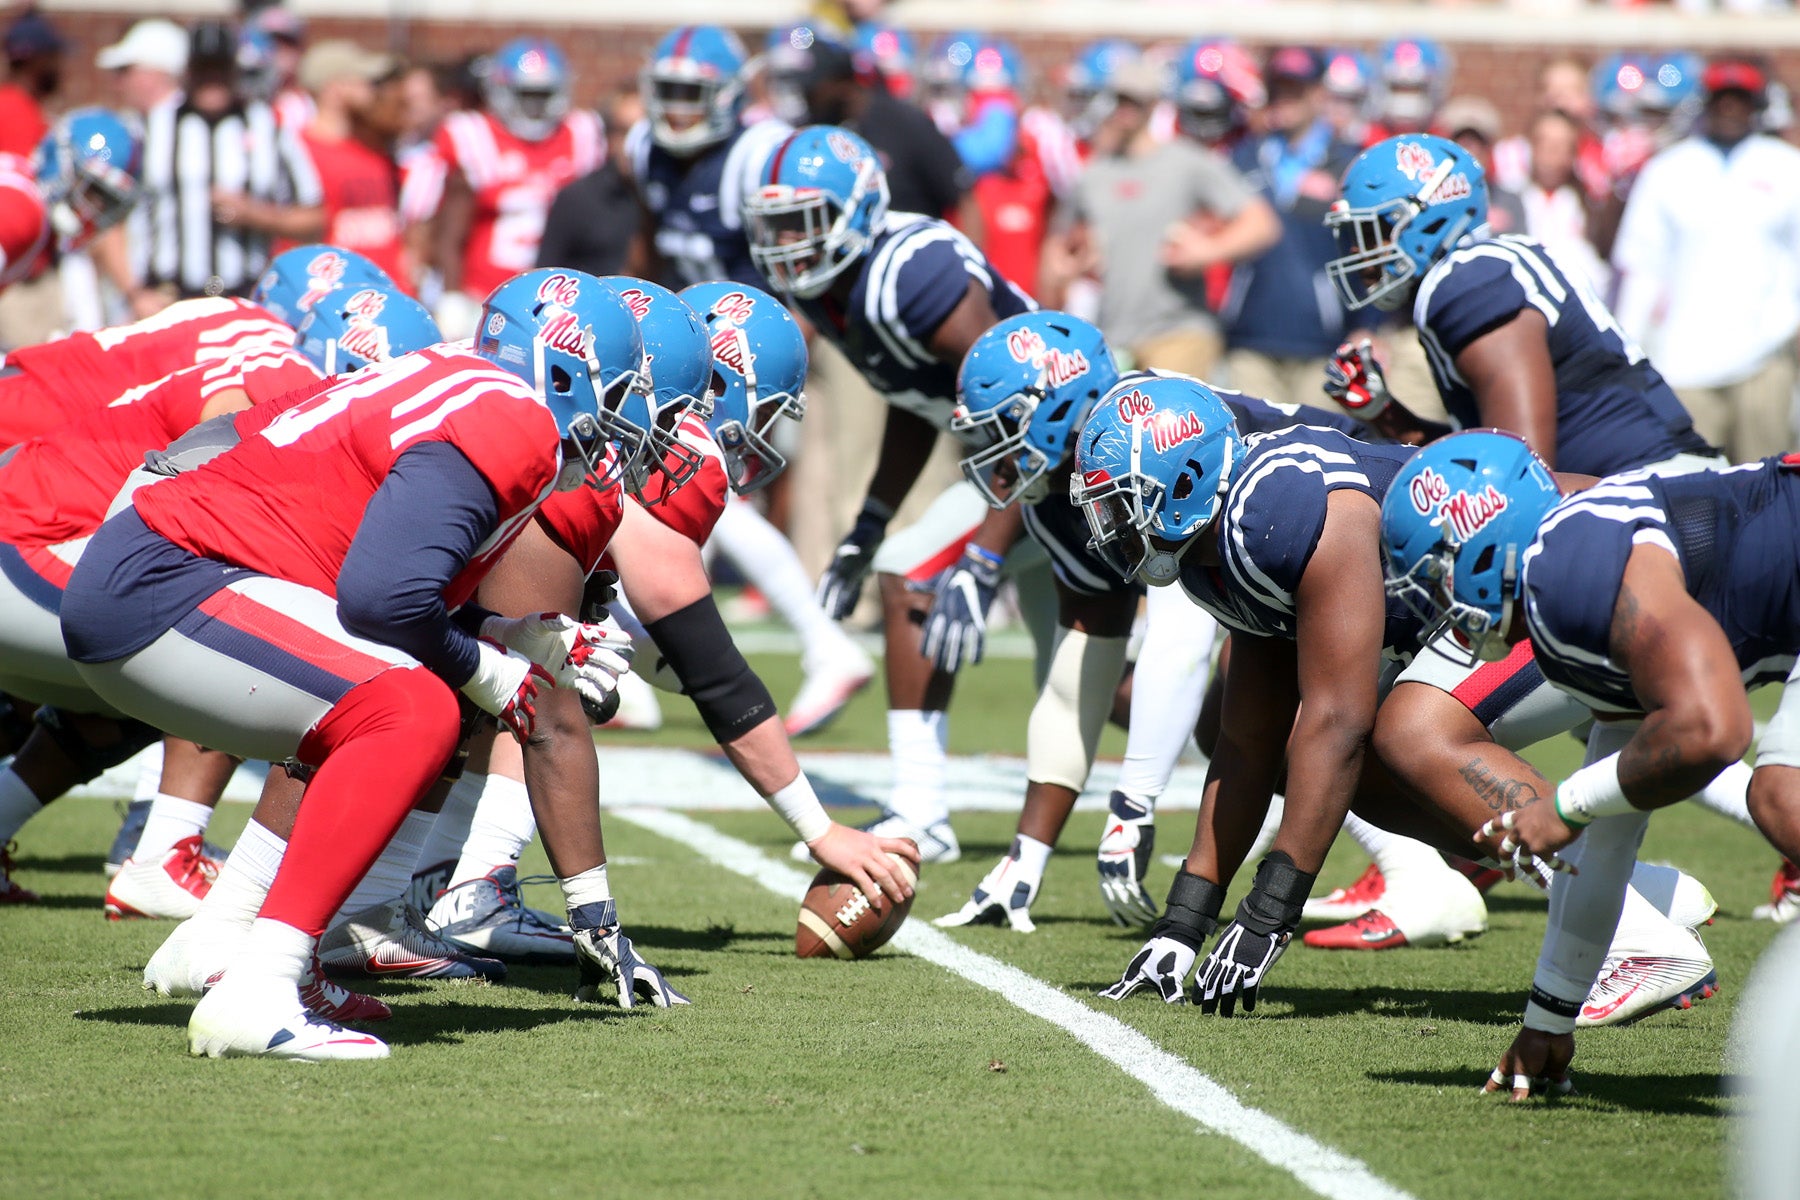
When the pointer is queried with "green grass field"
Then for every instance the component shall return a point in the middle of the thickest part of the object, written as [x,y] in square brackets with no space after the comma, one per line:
[885,1078]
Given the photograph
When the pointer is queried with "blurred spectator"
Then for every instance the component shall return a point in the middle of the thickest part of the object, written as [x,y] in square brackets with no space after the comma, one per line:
[359,113]
[1148,219]
[1709,267]
[1282,316]
[1012,187]
[286,36]
[1348,77]
[925,174]
[892,53]
[594,220]
[503,167]
[1473,123]
[840,18]
[1557,210]
[34,55]
[1412,78]
[1563,87]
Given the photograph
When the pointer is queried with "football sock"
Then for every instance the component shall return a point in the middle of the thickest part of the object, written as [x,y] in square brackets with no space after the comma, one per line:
[502,828]
[392,871]
[1265,837]
[17,805]
[765,557]
[379,748]
[237,894]
[1167,689]
[274,950]
[919,741]
[1392,852]
[451,829]
[171,819]
[1729,794]
[149,780]
[589,887]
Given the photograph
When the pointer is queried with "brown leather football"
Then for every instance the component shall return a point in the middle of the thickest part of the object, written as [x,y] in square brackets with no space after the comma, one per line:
[837,921]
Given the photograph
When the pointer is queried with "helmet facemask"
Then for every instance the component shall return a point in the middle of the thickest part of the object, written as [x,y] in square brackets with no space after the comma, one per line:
[1428,590]
[752,460]
[801,238]
[1005,467]
[689,108]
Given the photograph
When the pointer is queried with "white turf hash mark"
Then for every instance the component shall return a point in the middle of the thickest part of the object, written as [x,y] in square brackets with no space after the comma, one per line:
[1325,1171]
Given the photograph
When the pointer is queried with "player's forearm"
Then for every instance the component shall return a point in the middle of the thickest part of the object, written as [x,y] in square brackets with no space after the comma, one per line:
[764,757]
[1000,529]
[906,445]
[1673,755]
[1323,767]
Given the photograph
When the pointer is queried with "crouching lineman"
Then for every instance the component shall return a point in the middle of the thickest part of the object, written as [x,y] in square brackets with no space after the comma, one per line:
[1655,601]
[293,599]
[904,296]
[1279,538]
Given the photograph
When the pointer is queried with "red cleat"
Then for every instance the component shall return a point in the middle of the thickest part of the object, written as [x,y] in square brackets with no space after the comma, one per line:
[10,892]
[335,1002]
[1371,931]
[1784,896]
[1349,903]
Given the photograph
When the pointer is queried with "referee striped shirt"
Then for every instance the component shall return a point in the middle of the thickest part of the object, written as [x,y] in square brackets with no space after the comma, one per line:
[186,155]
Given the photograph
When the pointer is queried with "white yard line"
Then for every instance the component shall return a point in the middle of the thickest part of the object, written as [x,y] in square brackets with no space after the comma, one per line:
[1171,1080]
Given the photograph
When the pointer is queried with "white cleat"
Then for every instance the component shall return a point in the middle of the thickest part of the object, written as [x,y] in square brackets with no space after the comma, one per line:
[193,957]
[1693,905]
[639,709]
[936,842]
[488,916]
[1784,896]
[168,889]
[1424,907]
[828,688]
[264,1018]
[1630,988]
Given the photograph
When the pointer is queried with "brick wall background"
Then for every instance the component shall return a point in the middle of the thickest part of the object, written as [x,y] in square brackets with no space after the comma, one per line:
[606,57]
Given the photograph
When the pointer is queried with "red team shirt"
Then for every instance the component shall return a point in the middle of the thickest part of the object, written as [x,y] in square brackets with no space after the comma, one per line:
[362,202]
[46,385]
[58,487]
[513,181]
[289,501]
[24,221]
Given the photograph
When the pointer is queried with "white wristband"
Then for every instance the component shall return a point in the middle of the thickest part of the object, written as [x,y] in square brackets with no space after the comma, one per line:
[588,887]
[1592,792]
[799,806]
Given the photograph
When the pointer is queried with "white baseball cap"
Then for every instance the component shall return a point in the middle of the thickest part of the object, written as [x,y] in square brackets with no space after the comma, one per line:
[156,43]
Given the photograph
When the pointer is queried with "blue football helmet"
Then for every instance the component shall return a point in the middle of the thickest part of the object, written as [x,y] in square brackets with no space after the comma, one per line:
[759,378]
[678,367]
[527,87]
[994,66]
[574,343]
[366,324]
[1618,80]
[890,51]
[1024,386]
[1214,85]
[1412,79]
[942,69]
[1349,75]
[1407,201]
[787,60]
[297,279]
[1455,525]
[1152,460]
[87,170]
[693,88]
[823,200]
[1086,101]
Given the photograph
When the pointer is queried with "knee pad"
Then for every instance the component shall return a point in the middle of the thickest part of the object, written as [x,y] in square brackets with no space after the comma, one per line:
[1071,710]
[408,701]
[695,645]
[91,760]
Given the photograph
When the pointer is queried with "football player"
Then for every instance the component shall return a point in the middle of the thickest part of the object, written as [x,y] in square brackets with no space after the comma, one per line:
[1655,600]
[1514,342]
[1278,537]
[81,181]
[904,296]
[376,506]
[502,167]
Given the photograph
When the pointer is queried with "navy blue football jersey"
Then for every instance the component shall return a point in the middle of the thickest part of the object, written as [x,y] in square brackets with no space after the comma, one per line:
[1273,515]
[1733,532]
[698,202]
[1613,411]
[914,274]
[1061,529]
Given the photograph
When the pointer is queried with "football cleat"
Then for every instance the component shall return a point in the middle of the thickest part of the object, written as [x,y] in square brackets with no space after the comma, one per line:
[131,828]
[1438,909]
[1784,896]
[427,885]
[10,892]
[390,940]
[193,957]
[168,890]
[936,842]
[264,1018]
[828,688]
[1631,988]
[1485,879]
[334,1001]
[1348,903]
[487,916]
[1692,904]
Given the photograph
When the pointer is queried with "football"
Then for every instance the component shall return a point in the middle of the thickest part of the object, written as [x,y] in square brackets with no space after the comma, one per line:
[837,921]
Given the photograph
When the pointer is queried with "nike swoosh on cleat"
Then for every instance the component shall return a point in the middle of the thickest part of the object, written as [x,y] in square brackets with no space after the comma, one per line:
[1598,1012]
[376,967]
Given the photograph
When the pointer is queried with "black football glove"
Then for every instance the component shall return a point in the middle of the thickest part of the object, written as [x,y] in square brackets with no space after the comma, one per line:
[1255,939]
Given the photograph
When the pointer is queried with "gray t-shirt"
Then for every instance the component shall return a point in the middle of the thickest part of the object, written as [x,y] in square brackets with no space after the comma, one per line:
[1128,204]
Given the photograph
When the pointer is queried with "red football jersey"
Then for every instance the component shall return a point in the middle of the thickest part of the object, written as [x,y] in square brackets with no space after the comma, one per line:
[583,522]
[695,507]
[288,501]
[57,487]
[514,182]
[362,201]
[24,221]
[60,380]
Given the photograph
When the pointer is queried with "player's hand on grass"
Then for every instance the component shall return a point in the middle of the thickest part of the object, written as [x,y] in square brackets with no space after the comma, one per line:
[1003,897]
[1524,838]
[604,955]
[1536,1064]
[1126,846]
[863,858]
[1162,965]
[1234,971]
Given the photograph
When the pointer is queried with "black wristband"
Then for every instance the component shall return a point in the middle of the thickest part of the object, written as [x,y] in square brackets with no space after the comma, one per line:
[1192,911]
[1554,1004]
[1277,896]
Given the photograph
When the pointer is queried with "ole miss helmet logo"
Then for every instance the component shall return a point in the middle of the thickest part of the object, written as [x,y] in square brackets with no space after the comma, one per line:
[1168,430]
[366,339]
[637,301]
[323,274]
[845,149]
[1461,514]
[366,304]
[730,349]
[559,289]
[1059,366]
[1133,405]
[734,307]
[1414,160]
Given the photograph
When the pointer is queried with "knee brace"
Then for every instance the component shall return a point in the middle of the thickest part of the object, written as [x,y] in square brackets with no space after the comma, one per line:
[697,647]
[91,760]
[1071,710]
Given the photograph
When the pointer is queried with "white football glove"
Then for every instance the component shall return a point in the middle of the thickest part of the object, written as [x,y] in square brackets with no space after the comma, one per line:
[1124,860]
[505,684]
[586,657]
[1164,964]
[1234,970]
[605,955]
[1001,896]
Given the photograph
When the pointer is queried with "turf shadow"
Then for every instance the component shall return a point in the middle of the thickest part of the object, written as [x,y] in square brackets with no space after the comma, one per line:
[64,864]
[1695,1094]
[171,1012]
[713,937]
[1449,1004]
[91,903]
[452,1024]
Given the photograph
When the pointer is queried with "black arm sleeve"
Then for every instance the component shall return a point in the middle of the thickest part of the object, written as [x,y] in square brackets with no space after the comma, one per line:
[698,648]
